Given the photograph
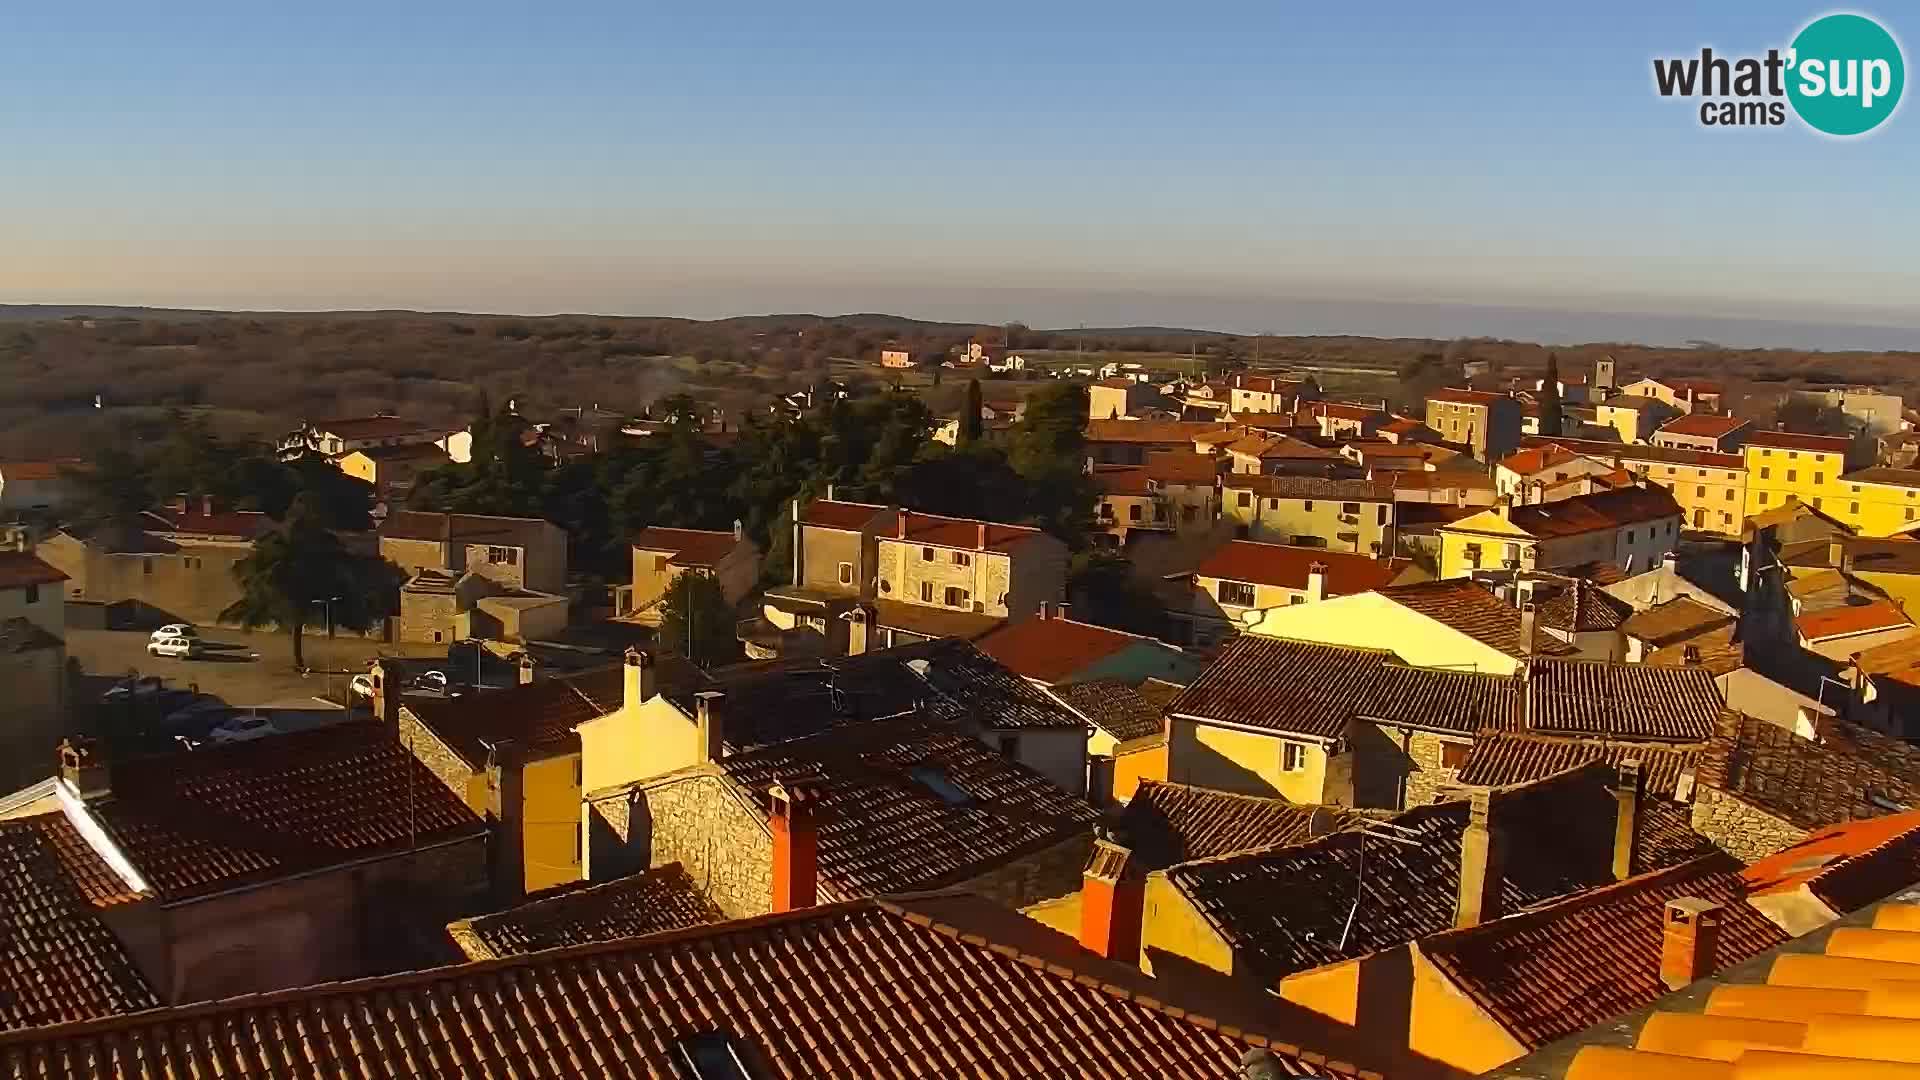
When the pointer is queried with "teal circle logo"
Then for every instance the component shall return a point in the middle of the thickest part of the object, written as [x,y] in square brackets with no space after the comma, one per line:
[1845,74]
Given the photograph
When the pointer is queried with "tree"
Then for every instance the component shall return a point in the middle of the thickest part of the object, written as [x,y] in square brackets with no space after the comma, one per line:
[696,621]
[1106,591]
[1549,399]
[300,572]
[970,422]
[117,488]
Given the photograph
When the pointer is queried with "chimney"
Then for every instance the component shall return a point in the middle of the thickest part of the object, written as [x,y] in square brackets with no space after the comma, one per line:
[1046,611]
[798,532]
[859,627]
[1629,785]
[739,530]
[899,522]
[1670,561]
[1316,582]
[1480,864]
[208,505]
[710,743]
[1112,902]
[796,862]
[1528,615]
[526,669]
[638,686]
[982,542]
[446,542]
[1690,941]
[83,766]
[830,493]
[1061,609]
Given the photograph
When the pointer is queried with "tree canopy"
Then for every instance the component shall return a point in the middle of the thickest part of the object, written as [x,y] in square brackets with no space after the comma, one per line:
[302,573]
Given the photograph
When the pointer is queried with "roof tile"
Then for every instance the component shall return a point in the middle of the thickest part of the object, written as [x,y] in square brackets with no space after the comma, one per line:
[1167,824]
[663,898]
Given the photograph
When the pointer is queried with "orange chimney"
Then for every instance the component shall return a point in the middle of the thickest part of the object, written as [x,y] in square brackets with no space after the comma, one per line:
[900,524]
[796,860]
[1113,900]
[1690,941]
[982,545]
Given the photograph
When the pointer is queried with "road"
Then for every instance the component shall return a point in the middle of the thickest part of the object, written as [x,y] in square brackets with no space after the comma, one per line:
[240,668]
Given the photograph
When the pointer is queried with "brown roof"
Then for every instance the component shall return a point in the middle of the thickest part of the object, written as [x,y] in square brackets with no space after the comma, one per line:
[1289,909]
[1287,567]
[1309,487]
[1049,650]
[403,452]
[690,547]
[1286,687]
[1499,758]
[847,516]
[970,534]
[1793,440]
[1704,425]
[1715,650]
[1457,702]
[934,622]
[1120,480]
[536,719]
[1150,431]
[1851,773]
[421,525]
[1673,620]
[1159,692]
[891,830]
[1537,458]
[1851,619]
[1610,451]
[865,988]
[1346,410]
[1599,510]
[232,816]
[1583,608]
[19,569]
[1461,396]
[1113,707]
[1558,969]
[663,898]
[1622,701]
[1883,475]
[369,427]
[1182,467]
[1896,660]
[1466,607]
[1167,824]
[58,960]
[237,524]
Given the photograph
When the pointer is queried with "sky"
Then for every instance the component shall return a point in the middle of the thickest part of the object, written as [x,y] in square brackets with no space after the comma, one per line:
[1375,168]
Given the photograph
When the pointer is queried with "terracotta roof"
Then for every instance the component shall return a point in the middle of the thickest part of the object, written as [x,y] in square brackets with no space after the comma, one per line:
[1150,431]
[59,961]
[1120,480]
[368,427]
[236,524]
[1113,707]
[1845,866]
[967,533]
[1457,702]
[1704,425]
[1403,425]
[1286,687]
[886,830]
[1053,649]
[1538,458]
[536,718]
[1848,620]
[230,816]
[1547,973]
[1715,650]
[1463,606]
[19,569]
[1635,403]
[421,525]
[1182,467]
[1289,909]
[847,516]
[934,622]
[1622,701]
[1896,660]
[1599,510]
[1421,479]
[663,898]
[865,988]
[51,469]
[1309,487]
[1158,692]
[1636,453]
[1882,475]
[1673,620]
[403,452]
[1867,555]
[1280,447]
[1461,396]
[1346,410]
[1793,440]
[1287,567]
[690,547]
[1583,608]
[1167,824]
[1499,758]
[1850,773]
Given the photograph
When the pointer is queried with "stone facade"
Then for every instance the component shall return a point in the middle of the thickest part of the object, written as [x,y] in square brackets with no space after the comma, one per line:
[697,820]
[427,616]
[1741,828]
[1047,874]
[908,576]
[1431,775]
[193,583]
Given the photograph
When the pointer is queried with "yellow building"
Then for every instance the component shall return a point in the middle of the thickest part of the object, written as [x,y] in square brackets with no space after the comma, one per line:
[1630,528]
[1635,418]
[391,470]
[661,555]
[1807,467]
[1455,625]
[1307,511]
[1488,422]
[1879,502]
[1711,488]
[1242,576]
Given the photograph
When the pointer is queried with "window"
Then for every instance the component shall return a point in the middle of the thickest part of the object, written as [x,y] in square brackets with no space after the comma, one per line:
[1629,536]
[1237,593]
[1273,504]
[146,567]
[1309,506]
[1765,473]
[1246,499]
[1726,519]
[1909,513]
[1350,508]
[926,554]
[1009,746]
[1856,508]
[957,597]
[846,573]
[1473,555]
[1703,472]
[1133,512]
[1793,475]
[659,564]
[1381,515]
[1159,513]
[1856,489]
[961,558]
[33,594]
[1453,755]
[503,556]
[1763,498]
[436,637]
[1816,502]
[1513,554]
[1700,490]
[926,592]
[1296,598]
[1766,453]
[1293,757]
[1729,494]
[1819,478]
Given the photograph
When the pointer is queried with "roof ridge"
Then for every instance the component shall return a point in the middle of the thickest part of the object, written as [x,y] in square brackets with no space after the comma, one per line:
[1219,793]
[1418,813]
[1585,897]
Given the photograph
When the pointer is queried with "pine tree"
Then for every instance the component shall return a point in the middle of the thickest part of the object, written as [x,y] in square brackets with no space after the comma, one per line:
[970,424]
[1550,398]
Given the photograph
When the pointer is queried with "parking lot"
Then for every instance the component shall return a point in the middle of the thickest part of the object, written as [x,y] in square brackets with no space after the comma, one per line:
[238,667]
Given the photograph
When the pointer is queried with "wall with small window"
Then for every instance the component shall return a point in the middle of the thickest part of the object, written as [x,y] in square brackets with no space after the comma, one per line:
[1251,763]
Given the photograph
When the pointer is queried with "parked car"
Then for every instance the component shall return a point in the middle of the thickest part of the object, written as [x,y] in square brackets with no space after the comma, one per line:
[243,728]
[361,686]
[201,713]
[139,686]
[180,648]
[431,680]
[173,630]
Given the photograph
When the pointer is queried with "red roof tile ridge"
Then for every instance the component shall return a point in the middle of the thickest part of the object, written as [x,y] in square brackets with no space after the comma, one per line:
[1712,862]
[1415,814]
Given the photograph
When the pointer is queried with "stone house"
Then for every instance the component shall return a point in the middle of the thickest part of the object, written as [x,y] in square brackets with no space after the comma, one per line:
[171,564]
[661,555]
[519,553]
[1487,422]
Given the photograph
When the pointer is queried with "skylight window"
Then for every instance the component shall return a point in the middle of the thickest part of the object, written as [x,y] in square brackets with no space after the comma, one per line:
[711,1055]
[936,781]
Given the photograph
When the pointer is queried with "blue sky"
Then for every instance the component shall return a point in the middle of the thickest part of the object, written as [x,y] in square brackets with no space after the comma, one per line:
[1047,162]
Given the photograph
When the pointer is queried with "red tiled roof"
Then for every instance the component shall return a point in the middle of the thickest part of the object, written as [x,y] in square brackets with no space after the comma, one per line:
[1466,607]
[1622,701]
[1050,650]
[1309,487]
[1848,620]
[238,524]
[422,525]
[651,901]
[59,961]
[867,988]
[1286,687]
[1851,773]
[369,427]
[1346,411]
[1846,866]
[848,516]
[1403,425]
[690,547]
[1568,965]
[1673,620]
[231,816]
[965,533]
[1793,440]
[403,452]
[1499,758]
[1280,447]
[1113,707]
[1182,466]
[537,718]
[1634,452]
[1172,432]
[1286,566]
[1466,397]
[1120,480]
[1704,425]
[1599,510]
[18,569]
[1536,459]
[1583,608]
[1266,384]
[1457,702]
[1167,824]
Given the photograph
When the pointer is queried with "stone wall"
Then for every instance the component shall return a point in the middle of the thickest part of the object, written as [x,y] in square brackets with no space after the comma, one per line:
[1428,775]
[697,821]
[1742,829]
[426,617]
[1047,874]
[450,767]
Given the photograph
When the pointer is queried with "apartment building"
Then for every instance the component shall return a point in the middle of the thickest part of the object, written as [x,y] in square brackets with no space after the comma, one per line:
[1339,515]
[1270,393]
[1174,490]
[661,555]
[1128,442]
[1630,528]
[1878,411]
[1711,432]
[1879,501]
[965,565]
[1634,419]
[1488,422]
[1711,488]
[1787,463]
